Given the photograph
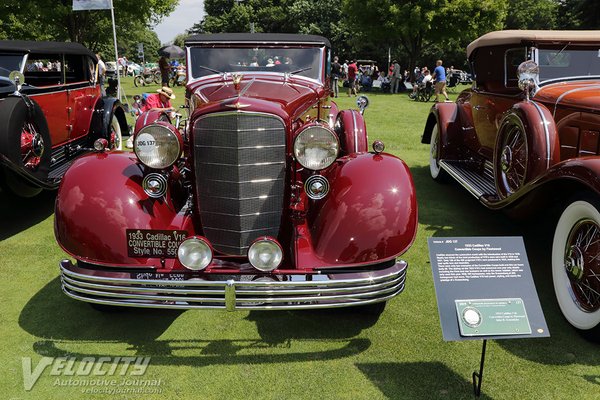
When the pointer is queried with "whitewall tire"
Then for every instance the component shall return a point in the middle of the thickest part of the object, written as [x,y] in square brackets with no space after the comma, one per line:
[576,264]
[436,172]
[115,129]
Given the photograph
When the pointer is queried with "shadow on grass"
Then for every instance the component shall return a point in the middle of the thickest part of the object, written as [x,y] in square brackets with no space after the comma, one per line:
[65,327]
[18,214]
[411,381]
[449,210]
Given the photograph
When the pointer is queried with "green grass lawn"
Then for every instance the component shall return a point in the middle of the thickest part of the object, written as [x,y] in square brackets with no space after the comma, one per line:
[294,355]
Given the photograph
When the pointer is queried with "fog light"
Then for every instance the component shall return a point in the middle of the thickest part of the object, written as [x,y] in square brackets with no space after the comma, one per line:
[195,253]
[265,254]
[155,185]
[378,146]
[100,144]
[316,187]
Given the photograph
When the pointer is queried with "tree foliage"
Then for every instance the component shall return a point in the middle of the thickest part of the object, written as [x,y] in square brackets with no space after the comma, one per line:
[56,20]
[532,14]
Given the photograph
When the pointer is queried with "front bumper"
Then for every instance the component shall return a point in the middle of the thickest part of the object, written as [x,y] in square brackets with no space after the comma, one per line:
[290,292]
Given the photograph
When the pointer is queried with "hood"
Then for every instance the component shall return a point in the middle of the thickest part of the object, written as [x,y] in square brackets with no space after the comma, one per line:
[578,95]
[292,95]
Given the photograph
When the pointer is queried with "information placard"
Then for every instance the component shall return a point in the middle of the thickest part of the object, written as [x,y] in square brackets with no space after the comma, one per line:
[490,279]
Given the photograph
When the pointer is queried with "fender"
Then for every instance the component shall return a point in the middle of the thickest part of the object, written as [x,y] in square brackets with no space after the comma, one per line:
[369,215]
[542,137]
[149,117]
[446,115]
[91,218]
[352,131]
[104,110]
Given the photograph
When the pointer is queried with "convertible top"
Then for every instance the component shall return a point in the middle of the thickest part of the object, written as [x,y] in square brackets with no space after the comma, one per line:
[262,38]
[26,46]
[498,38]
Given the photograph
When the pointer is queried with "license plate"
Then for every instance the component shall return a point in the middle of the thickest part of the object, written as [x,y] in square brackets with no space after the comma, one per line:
[154,243]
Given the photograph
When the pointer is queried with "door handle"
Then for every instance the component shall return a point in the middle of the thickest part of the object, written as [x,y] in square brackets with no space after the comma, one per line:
[480,108]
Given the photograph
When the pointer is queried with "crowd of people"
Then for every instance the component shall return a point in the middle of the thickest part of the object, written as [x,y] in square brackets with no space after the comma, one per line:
[364,76]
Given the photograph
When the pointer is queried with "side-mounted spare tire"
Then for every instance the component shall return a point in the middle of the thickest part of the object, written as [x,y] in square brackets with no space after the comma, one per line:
[25,142]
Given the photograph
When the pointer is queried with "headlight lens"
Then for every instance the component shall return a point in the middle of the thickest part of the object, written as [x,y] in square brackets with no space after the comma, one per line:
[265,254]
[195,254]
[316,147]
[157,146]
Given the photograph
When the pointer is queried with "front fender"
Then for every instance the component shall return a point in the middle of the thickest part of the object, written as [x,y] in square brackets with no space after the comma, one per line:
[100,197]
[352,131]
[370,213]
[104,110]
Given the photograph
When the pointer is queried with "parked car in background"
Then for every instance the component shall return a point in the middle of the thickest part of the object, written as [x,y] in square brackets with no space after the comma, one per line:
[266,197]
[526,136]
[51,111]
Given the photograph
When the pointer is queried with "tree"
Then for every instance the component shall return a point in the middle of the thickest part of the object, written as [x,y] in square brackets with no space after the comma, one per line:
[532,14]
[56,20]
[410,26]
[579,14]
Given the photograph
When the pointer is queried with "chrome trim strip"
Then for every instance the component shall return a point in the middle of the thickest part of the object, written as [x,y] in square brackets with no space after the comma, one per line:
[324,291]
[241,147]
[568,92]
[245,198]
[251,181]
[546,132]
[206,227]
[355,131]
[241,215]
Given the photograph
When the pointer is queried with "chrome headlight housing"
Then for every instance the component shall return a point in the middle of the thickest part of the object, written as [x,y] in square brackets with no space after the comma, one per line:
[157,145]
[195,253]
[265,254]
[316,147]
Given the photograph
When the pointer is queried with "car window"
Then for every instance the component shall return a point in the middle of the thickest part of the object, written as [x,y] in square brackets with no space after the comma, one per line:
[565,62]
[43,70]
[512,59]
[256,59]
[9,63]
[76,68]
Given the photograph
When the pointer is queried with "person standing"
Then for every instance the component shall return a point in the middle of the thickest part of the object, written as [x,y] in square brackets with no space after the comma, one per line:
[352,72]
[165,68]
[336,74]
[439,74]
[396,75]
[101,68]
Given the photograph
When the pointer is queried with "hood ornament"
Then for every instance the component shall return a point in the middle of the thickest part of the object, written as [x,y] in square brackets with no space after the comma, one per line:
[237,105]
[237,79]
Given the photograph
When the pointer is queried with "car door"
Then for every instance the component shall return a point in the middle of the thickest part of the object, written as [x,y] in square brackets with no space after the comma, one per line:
[81,95]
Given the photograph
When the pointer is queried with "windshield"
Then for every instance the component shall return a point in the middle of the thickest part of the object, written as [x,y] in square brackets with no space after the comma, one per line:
[9,63]
[566,62]
[302,61]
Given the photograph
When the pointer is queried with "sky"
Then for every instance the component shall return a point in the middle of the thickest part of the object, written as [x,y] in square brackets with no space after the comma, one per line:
[187,13]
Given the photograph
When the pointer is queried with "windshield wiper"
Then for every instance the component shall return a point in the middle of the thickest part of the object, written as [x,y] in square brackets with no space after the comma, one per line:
[211,70]
[299,70]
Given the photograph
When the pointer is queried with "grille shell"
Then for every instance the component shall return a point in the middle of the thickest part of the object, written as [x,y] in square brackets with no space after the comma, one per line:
[239,164]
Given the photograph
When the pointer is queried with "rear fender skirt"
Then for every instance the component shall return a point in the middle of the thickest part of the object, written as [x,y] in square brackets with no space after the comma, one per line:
[91,218]
[369,215]
[352,131]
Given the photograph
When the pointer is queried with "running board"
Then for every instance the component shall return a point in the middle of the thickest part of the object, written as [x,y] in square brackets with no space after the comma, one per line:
[474,181]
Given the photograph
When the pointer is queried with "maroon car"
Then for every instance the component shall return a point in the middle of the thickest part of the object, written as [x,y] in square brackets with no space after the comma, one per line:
[51,111]
[527,135]
[266,197]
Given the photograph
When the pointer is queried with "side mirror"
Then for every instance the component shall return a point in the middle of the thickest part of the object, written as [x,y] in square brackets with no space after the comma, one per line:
[362,102]
[528,75]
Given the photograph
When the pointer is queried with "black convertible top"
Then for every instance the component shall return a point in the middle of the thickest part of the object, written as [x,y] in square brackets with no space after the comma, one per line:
[26,46]
[261,38]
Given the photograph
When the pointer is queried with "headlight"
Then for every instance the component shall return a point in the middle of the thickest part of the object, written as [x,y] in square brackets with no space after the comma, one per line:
[157,146]
[316,147]
[194,253]
[265,254]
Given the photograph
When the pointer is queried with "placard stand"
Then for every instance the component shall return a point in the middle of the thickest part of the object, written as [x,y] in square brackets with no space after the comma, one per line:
[478,376]
[485,290]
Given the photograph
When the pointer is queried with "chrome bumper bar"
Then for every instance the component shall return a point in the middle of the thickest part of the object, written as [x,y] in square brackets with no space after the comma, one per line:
[291,292]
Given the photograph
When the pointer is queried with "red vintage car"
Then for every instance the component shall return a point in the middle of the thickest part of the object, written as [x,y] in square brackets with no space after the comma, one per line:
[527,136]
[51,111]
[267,196]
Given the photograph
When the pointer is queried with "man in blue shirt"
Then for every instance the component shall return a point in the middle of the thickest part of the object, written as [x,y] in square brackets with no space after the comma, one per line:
[439,74]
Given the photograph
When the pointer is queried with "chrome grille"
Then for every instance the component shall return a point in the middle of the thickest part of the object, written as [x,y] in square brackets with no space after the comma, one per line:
[239,160]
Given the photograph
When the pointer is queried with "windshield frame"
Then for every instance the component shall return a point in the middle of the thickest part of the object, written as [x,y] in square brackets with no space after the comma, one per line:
[320,73]
[22,62]
[565,48]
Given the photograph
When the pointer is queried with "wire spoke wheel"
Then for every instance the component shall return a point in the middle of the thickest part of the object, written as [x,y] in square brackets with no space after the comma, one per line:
[511,168]
[32,146]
